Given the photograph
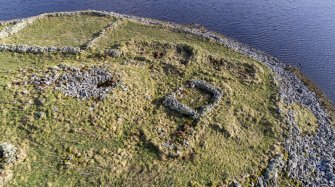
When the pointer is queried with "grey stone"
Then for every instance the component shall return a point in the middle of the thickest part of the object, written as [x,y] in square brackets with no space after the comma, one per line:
[39,114]
[21,48]
[113,53]
[7,153]
[86,84]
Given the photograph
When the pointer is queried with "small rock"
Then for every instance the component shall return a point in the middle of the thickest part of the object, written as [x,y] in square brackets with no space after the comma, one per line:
[39,115]
[25,92]
[113,53]
[91,109]
[7,153]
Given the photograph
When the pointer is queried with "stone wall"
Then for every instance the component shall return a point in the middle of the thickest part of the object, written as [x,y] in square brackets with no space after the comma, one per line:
[20,48]
[19,25]
[98,36]
[14,26]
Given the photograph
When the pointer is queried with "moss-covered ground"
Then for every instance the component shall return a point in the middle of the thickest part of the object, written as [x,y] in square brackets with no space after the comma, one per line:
[2,27]
[121,140]
[305,119]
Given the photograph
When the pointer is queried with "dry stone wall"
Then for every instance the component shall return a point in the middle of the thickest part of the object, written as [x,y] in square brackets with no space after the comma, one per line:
[94,40]
[171,102]
[19,25]
[14,26]
[21,48]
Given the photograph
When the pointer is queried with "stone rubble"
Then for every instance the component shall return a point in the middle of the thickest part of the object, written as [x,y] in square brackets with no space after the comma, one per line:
[270,176]
[172,103]
[86,84]
[7,157]
[82,83]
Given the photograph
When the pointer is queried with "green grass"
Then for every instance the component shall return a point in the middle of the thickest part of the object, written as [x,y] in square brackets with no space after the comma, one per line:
[305,119]
[117,143]
[2,27]
[57,31]
[193,98]
[131,30]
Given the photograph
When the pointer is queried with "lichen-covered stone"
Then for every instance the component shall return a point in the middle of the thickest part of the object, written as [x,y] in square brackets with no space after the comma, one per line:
[7,153]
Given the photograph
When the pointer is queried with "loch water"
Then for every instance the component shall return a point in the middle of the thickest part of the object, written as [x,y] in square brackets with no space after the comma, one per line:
[298,32]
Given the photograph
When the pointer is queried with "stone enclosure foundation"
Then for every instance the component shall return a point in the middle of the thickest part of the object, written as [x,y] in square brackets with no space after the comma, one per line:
[15,26]
[172,103]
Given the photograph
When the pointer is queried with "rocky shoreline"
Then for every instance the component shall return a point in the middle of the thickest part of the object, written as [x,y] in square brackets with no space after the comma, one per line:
[311,158]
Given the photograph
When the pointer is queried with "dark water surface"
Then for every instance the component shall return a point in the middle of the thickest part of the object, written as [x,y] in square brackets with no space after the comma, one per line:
[295,31]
